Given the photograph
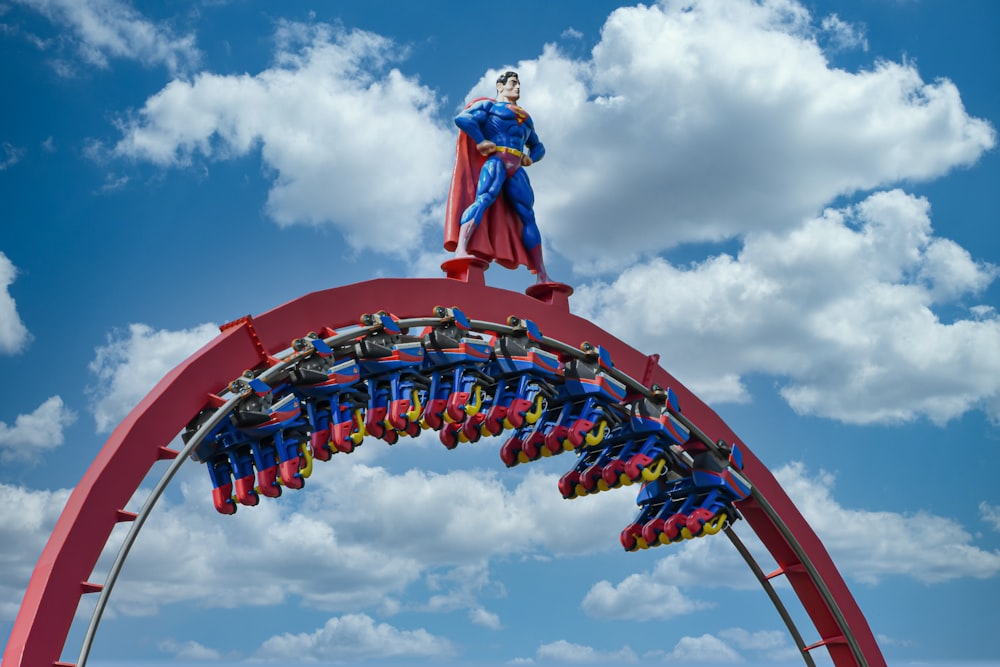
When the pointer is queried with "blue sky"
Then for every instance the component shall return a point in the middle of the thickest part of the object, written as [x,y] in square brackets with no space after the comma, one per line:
[793,203]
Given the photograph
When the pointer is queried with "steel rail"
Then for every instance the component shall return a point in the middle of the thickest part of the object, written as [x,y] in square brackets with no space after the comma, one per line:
[793,630]
[140,519]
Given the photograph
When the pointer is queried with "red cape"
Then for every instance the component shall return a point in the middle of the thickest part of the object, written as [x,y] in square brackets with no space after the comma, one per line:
[498,237]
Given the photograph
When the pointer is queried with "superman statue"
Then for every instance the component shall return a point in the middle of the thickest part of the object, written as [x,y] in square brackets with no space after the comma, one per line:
[496,142]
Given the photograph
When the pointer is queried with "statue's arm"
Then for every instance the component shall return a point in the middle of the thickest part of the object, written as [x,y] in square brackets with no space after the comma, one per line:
[472,119]
[535,147]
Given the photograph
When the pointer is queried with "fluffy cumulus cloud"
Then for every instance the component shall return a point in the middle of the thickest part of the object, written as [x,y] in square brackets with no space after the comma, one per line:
[689,121]
[476,515]
[842,308]
[578,654]
[654,594]
[705,649]
[731,646]
[324,117]
[355,637]
[13,334]
[772,644]
[705,120]
[443,528]
[867,545]
[101,30]
[33,434]
[189,650]
[25,524]
[638,598]
[133,362]
[871,545]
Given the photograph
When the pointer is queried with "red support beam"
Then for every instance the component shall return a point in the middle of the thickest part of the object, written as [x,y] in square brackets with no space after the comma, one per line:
[54,591]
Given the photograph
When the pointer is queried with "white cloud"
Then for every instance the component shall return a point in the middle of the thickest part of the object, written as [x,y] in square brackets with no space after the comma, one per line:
[564,651]
[189,650]
[772,645]
[867,546]
[13,334]
[703,120]
[841,308]
[355,637]
[652,594]
[461,588]
[990,514]
[843,35]
[257,543]
[443,528]
[704,649]
[639,598]
[732,645]
[103,29]
[10,155]
[485,618]
[26,522]
[708,120]
[871,545]
[474,514]
[767,640]
[131,364]
[330,118]
[34,434]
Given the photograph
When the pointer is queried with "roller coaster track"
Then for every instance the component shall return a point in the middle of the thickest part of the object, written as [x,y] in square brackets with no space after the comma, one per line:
[63,572]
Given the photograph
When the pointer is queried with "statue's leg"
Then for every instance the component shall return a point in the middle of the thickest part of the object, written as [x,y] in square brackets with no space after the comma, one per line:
[491,180]
[520,194]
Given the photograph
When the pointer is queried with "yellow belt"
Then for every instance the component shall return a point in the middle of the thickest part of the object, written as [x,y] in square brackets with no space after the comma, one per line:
[512,151]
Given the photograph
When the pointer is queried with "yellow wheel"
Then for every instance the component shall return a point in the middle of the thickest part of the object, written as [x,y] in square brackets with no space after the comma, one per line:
[596,435]
[715,525]
[476,404]
[307,468]
[414,414]
[536,411]
[654,471]
[359,433]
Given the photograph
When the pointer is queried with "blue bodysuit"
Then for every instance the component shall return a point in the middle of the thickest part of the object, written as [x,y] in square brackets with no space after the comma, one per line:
[511,129]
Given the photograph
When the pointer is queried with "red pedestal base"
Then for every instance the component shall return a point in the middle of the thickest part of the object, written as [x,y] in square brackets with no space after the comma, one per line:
[555,294]
[466,269]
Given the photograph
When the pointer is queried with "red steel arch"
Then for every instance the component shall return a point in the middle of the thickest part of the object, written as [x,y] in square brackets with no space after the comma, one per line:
[62,573]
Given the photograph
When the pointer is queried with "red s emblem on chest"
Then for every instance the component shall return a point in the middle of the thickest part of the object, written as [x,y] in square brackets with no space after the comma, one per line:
[519,113]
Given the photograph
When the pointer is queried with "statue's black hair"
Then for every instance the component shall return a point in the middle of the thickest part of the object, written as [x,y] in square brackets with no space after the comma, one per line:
[502,79]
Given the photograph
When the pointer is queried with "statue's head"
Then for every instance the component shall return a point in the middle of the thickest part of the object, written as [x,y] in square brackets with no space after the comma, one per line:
[508,86]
